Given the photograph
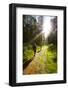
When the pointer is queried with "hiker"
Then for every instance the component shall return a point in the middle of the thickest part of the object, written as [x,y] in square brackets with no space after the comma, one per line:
[34,48]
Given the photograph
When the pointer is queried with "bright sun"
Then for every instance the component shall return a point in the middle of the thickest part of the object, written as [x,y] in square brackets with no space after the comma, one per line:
[46,26]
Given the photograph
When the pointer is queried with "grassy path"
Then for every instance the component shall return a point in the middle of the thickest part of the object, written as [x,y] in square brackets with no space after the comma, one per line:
[38,64]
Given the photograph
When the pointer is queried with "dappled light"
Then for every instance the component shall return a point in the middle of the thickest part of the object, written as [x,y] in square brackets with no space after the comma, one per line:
[39,44]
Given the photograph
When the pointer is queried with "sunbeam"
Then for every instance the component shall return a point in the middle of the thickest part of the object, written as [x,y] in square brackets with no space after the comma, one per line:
[46,26]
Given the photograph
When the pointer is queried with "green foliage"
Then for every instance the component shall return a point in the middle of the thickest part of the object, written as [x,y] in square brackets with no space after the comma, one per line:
[28,53]
[52,47]
[44,59]
[51,60]
[38,48]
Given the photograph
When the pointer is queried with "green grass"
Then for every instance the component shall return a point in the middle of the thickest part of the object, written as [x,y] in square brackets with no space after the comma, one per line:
[51,61]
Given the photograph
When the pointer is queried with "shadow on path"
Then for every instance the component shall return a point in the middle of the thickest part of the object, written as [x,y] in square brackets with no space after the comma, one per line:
[27,63]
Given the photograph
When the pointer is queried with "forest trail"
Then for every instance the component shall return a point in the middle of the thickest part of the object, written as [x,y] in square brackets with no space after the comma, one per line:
[37,65]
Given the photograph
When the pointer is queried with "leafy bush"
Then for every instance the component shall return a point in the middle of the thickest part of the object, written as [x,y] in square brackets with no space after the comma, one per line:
[52,47]
[28,53]
[38,48]
[51,59]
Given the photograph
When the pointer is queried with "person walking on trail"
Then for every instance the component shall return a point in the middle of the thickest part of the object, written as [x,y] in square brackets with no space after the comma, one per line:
[34,48]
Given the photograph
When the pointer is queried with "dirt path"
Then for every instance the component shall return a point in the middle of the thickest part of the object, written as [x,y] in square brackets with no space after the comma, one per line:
[37,65]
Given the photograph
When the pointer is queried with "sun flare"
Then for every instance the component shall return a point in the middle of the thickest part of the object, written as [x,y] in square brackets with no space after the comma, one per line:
[46,26]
